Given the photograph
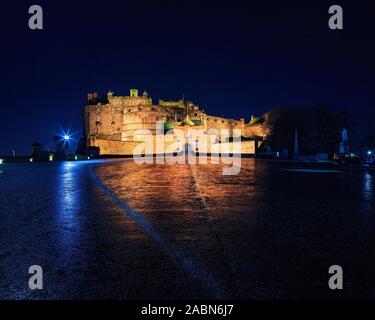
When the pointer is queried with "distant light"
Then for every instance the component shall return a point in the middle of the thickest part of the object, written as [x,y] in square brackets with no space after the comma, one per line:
[88,158]
[1,161]
[75,158]
[31,159]
[369,152]
[51,157]
[66,137]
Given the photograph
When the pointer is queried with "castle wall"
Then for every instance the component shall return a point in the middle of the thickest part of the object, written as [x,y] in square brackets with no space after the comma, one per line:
[126,148]
[219,123]
[246,147]
[256,130]
[112,123]
[111,147]
[103,119]
[141,118]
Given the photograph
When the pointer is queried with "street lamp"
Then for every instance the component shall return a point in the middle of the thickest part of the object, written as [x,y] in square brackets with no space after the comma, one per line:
[66,137]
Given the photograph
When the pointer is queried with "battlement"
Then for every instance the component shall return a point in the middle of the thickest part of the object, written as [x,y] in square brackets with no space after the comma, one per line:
[134,93]
[172,103]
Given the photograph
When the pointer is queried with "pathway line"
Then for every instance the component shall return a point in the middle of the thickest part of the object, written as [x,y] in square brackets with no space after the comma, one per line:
[174,252]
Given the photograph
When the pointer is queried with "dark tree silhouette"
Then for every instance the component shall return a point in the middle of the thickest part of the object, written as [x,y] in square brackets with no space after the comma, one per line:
[319,129]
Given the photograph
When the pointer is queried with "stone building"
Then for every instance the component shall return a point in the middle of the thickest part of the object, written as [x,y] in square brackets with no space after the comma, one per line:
[115,125]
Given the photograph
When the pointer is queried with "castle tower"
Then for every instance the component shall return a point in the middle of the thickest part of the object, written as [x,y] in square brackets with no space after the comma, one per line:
[134,93]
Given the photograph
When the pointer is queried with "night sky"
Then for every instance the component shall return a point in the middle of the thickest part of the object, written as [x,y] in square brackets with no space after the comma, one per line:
[232,58]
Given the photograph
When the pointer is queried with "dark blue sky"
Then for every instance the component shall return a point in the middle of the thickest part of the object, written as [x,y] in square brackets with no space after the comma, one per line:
[234,58]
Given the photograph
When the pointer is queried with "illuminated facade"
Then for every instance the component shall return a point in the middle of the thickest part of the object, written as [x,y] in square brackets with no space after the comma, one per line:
[116,124]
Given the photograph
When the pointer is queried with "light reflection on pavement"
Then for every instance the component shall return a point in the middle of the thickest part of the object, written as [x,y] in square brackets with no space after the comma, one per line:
[256,235]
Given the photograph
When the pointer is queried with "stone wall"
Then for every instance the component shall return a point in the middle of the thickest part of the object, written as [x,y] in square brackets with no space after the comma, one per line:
[256,130]
[103,119]
[111,123]
[111,147]
[219,123]
[126,148]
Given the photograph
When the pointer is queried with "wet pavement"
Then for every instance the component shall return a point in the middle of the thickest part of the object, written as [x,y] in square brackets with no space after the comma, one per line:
[117,230]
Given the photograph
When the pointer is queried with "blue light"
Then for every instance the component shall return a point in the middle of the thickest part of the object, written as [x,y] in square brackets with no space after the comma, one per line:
[369,152]
[66,137]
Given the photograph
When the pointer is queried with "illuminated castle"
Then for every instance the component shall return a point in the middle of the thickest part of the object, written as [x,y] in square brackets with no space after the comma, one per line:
[113,123]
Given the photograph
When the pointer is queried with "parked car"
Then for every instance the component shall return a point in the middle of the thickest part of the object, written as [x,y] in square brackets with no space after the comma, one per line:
[347,158]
